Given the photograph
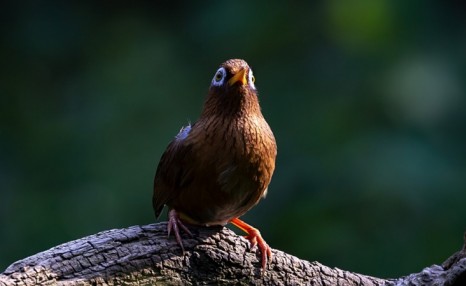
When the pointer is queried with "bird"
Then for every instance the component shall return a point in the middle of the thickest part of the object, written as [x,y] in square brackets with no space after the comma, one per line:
[219,167]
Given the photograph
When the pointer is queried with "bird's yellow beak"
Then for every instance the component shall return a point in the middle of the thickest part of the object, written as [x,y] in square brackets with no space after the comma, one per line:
[239,76]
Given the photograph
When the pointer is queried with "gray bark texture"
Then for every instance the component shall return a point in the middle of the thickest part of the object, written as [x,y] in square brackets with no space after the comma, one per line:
[142,255]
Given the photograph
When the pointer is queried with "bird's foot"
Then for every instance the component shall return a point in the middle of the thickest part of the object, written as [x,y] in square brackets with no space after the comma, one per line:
[255,238]
[174,223]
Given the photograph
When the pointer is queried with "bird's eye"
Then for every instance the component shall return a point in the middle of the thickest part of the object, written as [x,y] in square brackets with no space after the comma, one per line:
[219,77]
[251,80]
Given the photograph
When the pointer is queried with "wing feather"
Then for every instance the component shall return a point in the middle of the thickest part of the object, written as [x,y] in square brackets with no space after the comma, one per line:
[173,172]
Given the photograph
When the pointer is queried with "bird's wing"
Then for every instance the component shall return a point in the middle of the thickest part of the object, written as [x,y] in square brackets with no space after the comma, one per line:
[173,172]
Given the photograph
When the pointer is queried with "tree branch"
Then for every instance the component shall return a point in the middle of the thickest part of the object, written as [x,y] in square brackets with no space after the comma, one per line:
[143,255]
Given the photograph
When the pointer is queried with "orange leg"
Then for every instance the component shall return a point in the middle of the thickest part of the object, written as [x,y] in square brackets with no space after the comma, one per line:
[255,238]
[175,223]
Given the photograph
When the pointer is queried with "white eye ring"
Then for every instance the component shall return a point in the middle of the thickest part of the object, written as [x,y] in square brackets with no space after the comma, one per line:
[251,79]
[219,77]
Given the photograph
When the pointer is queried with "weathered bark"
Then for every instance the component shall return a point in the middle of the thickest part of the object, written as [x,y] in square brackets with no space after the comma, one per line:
[142,255]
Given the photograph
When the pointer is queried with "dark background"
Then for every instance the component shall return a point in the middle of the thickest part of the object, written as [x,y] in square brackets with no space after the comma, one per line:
[366,100]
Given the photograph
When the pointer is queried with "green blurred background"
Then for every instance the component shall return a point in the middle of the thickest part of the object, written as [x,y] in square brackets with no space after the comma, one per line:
[366,100]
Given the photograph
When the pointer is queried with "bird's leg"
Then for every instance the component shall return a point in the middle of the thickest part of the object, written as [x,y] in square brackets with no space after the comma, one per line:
[255,238]
[175,223]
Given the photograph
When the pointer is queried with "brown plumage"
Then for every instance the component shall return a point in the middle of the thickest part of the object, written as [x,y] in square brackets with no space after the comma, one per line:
[217,169]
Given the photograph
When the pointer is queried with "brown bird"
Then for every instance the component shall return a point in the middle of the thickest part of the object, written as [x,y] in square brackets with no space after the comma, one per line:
[217,169]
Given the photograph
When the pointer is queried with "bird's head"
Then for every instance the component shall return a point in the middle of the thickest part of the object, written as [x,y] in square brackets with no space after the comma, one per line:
[232,89]
[231,75]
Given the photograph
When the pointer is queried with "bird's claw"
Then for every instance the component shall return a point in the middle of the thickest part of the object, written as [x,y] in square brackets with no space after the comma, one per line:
[174,223]
[255,239]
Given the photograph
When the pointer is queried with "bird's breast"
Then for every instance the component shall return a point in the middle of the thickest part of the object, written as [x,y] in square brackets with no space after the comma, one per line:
[244,153]
[240,142]
[233,166]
